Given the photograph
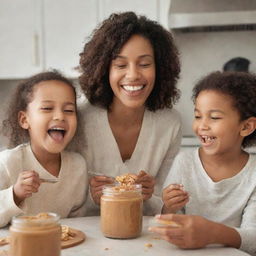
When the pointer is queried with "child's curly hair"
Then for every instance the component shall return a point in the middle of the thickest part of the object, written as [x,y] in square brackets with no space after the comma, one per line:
[241,86]
[19,101]
[105,44]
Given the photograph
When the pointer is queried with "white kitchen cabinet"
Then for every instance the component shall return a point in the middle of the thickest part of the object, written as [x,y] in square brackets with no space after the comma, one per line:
[38,35]
[20,39]
[67,24]
[149,8]
[154,9]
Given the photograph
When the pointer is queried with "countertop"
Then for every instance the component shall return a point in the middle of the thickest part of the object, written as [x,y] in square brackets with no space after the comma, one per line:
[98,245]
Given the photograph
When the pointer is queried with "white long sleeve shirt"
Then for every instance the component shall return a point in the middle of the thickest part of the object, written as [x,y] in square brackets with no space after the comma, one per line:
[230,201]
[158,143]
[66,197]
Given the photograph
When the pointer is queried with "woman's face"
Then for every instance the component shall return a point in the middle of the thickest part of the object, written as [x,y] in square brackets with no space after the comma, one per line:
[132,73]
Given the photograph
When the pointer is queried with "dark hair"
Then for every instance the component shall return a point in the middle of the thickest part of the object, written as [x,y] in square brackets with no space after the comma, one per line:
[105,44]
[21,97]
[241,86]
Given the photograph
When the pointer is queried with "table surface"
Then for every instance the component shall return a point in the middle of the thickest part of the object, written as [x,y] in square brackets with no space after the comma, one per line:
[98,245]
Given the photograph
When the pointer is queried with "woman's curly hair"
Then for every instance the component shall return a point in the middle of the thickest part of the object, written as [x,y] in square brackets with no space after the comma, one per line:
[106,43]
[241,86]
[19,101]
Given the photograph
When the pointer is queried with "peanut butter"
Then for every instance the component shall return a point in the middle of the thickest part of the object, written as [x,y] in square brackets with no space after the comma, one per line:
[121,211]
[35,235]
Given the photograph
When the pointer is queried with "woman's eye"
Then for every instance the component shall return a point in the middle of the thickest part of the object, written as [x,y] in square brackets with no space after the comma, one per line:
[121,66]
[196,117]
[215,118]
[144,65]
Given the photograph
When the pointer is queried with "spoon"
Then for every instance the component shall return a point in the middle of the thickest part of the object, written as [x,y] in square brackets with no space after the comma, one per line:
[48,180]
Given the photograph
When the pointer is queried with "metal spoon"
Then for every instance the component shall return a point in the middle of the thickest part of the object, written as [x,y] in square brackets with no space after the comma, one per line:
[48,180]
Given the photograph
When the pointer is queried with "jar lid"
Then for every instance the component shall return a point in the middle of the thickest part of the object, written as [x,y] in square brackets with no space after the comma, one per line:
[118,189]
[46,218]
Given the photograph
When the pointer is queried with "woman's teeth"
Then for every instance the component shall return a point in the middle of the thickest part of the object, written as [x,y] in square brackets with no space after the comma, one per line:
[132,88]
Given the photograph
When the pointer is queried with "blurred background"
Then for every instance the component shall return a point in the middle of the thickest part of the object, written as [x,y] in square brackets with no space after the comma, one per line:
[38,35]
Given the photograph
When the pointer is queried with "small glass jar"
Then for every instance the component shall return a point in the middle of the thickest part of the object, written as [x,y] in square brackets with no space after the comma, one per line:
[35,236]
[121,211]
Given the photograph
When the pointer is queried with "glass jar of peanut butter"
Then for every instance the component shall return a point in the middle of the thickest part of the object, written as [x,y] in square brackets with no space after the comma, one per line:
[38,235]
[121,211]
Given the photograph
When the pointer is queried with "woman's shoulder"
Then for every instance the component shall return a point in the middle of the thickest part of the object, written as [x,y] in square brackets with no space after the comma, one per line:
[87,107]
[167,115]
[90,112]
[166,121]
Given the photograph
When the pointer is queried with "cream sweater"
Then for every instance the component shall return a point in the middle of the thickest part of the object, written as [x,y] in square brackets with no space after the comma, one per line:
[230,201]
[158,143]
[66,197]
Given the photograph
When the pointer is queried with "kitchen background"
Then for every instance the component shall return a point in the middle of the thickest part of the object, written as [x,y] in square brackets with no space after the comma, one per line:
[37,35]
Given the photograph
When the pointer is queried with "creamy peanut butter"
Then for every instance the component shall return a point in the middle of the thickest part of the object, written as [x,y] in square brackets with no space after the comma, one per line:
[35,235]
[121,211]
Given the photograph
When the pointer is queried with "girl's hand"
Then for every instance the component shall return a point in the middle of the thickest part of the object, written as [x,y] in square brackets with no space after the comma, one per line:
[147,182]
[96,185]
[27,183]
[174,198]
[190,235]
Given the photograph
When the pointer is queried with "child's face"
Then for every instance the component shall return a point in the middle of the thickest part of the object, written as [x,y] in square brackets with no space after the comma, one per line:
[217,123]
[132,73]
[50,117]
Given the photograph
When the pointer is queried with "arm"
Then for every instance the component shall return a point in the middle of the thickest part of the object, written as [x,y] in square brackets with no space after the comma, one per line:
[247,229]
[174,198]
[8,208]
[192,229]
[155,203]
[167,162]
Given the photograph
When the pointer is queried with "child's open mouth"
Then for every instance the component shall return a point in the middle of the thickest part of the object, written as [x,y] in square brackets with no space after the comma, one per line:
[207,139]
[57,133]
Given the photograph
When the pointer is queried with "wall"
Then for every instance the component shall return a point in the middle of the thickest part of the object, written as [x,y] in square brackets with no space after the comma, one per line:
[202,53]
[6,87]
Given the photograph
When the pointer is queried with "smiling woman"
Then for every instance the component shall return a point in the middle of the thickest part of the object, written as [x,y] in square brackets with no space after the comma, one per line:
[129,72]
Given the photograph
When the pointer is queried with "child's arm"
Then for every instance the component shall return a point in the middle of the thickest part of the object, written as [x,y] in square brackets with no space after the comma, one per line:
[197,232]
[174,198]
[27,183]
[8,208]
[247,229]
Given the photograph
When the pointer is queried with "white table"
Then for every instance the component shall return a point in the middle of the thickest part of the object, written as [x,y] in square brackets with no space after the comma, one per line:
[98,245]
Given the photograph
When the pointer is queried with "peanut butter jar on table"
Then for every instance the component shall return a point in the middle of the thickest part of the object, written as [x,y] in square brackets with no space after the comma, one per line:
[121,211]
[35,235]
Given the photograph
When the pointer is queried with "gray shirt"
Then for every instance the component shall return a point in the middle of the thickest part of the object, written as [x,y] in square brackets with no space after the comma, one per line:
[230,201]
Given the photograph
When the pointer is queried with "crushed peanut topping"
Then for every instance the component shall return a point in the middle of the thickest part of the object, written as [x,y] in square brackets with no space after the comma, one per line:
[66,233]
[127,179]
[42,215]
[4,240]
